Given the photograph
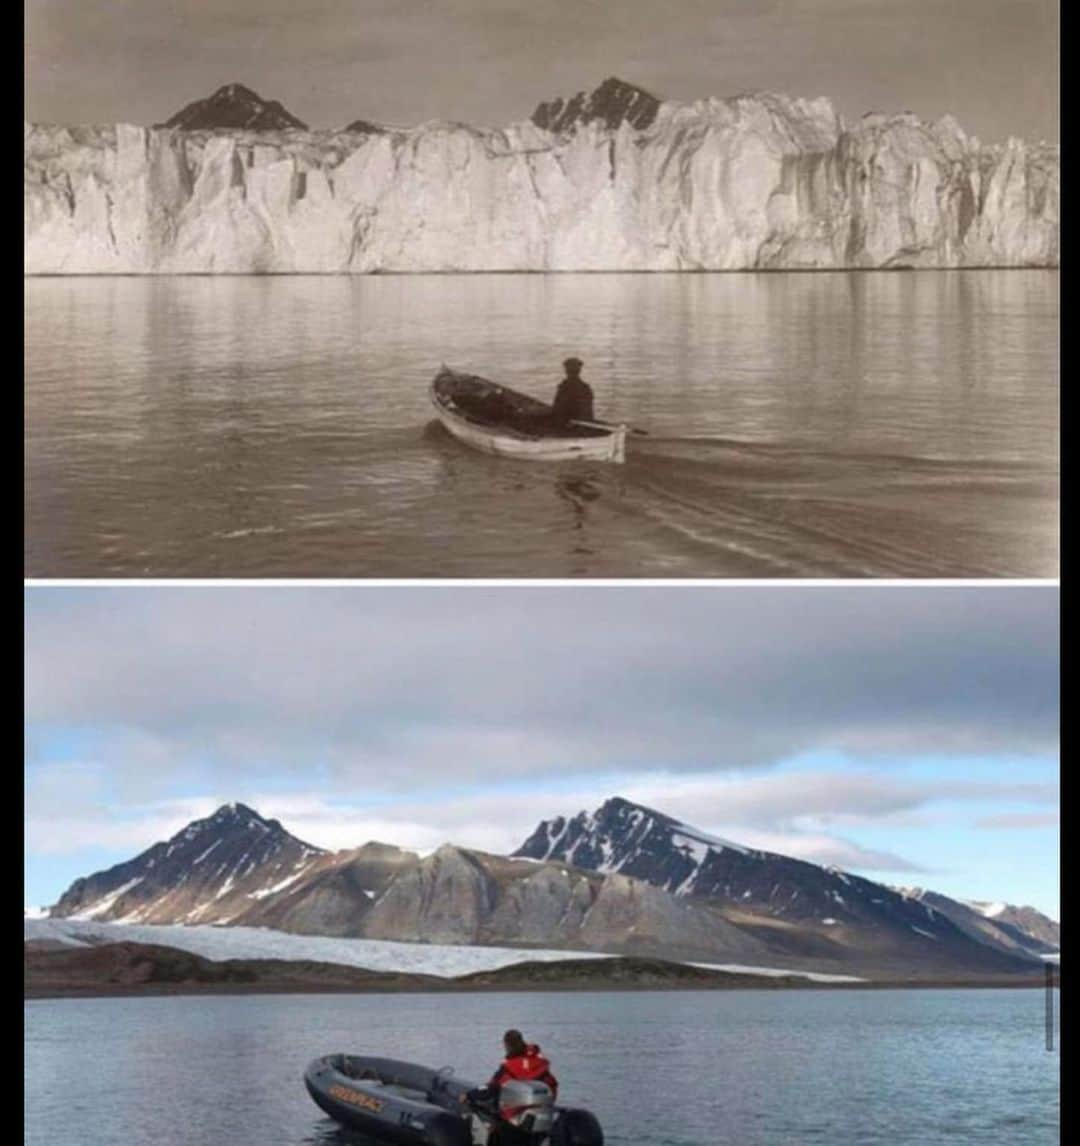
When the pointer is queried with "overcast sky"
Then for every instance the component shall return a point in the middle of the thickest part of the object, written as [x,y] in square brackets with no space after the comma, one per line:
[906,733]
[992,63]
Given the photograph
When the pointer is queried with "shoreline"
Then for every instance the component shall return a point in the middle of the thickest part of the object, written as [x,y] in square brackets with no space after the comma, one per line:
[204,990]
[845,270]
[132,970]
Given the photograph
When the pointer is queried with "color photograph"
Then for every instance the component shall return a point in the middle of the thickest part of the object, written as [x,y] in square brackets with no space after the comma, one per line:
[791,853]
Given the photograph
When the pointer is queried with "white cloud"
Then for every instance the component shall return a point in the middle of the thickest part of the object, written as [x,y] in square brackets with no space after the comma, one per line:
[390,688]
[793,814]
[421,716]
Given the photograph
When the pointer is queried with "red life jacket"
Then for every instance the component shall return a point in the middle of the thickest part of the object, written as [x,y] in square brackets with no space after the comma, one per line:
[527,1066]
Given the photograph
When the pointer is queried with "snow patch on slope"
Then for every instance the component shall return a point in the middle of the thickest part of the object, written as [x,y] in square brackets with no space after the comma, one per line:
[262,893]
[203,856]
[700,842]
[100,906]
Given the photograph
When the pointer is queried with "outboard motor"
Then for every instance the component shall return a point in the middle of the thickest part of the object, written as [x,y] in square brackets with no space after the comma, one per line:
[529,1106]
[576,1128]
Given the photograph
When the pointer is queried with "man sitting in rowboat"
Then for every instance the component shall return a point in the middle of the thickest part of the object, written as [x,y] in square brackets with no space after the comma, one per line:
[574,397]
[498,420]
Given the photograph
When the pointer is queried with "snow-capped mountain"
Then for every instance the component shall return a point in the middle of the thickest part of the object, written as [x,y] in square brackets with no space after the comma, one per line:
[237,868]
[209,871]
[631,839]
[623,880]
[1012,929]
[234,106]
[612,180]
[774,897]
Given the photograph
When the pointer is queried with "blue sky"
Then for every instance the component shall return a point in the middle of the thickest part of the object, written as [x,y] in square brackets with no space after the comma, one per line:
[909,734]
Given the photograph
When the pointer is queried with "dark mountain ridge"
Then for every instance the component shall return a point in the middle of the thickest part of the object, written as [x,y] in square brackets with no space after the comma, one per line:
[234,106]
[622,880]
[177,880]
[767,894]
[613,103]
[1012,929]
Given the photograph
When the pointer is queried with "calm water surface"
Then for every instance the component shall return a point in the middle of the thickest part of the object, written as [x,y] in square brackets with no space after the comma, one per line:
[683,1069]
[801,425]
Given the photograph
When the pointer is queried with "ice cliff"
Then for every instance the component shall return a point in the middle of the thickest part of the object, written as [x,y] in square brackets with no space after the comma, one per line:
[755,181]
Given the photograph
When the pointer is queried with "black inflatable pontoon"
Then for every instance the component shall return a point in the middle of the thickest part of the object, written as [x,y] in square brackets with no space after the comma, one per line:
[402,1102]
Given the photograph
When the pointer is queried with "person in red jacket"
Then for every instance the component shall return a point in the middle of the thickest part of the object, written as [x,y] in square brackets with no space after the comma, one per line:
[523,1061]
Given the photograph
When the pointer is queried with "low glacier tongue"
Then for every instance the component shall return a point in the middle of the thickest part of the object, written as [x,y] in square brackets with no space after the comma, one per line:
[220,943]
[760,181]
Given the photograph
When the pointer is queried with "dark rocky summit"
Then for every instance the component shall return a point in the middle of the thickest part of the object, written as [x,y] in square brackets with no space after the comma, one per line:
[613,103]
[364,127]
[234,106]
[214,860]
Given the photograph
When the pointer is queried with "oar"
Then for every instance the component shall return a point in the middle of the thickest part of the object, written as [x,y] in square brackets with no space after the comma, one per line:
[608,426]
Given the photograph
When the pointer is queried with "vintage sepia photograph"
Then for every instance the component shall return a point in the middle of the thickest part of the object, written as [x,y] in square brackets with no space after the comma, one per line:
[496,289]
[648,867]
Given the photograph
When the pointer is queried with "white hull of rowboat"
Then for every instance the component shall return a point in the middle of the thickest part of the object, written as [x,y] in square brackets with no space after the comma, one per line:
[504,441]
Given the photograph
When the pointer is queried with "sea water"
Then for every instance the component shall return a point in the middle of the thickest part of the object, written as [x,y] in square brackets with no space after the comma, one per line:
[799,425]
[745,1068]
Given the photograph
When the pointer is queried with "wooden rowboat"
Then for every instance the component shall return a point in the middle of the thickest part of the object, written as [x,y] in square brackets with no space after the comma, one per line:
[498,420]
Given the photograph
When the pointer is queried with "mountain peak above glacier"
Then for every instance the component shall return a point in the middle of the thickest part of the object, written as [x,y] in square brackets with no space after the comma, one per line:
[614,102]
[364,127]
[234,106]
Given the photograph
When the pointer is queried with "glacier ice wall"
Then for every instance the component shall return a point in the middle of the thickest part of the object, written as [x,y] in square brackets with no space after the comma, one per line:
[760,181]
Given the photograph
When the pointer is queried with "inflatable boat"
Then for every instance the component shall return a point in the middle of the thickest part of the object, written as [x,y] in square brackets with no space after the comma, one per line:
[498,420]
[413,1105]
